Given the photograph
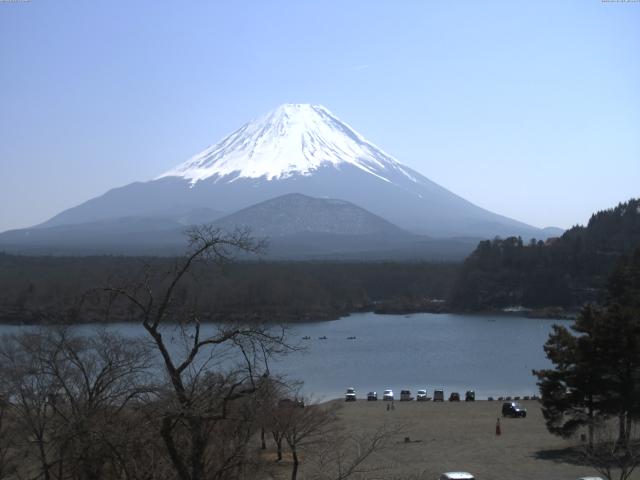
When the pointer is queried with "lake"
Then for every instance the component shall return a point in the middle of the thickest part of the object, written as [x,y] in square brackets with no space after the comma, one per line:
[491,354]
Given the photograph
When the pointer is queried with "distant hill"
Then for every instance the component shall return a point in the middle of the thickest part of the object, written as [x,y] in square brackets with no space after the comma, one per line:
[301,227]
[296,213]
[566,271]
[296,226]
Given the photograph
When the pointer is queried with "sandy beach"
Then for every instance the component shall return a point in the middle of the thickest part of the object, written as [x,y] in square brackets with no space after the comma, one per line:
[454,436]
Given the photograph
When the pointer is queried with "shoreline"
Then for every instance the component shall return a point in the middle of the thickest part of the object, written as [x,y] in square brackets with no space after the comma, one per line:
[546,313]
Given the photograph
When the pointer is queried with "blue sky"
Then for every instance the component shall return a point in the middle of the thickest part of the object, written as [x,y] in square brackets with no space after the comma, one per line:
[529,109]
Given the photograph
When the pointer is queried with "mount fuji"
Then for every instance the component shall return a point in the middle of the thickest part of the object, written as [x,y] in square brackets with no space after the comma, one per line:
[294,149]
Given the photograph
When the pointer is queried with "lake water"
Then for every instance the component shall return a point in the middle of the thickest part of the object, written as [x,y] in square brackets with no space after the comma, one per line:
[491,354]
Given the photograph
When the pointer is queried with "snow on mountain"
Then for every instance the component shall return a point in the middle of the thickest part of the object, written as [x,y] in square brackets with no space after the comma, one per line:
[293,139]
[299,149]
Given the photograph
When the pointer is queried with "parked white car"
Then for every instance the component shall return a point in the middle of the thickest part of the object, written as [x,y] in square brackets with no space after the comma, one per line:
[387,395]
[350,396]
[421,396]
[456,476]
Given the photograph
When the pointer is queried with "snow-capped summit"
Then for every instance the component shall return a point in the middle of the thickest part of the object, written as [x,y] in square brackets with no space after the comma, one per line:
[293,139]
[298,149]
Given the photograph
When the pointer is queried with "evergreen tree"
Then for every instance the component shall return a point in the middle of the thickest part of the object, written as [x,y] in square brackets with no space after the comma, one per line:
[572,392]
[596,372]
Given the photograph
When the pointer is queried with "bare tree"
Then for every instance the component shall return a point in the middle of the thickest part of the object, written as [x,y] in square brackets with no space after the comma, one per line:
[28,392]
[612,457]
[276,397]
[97,377]
[68,393]
[7,435]
[347,455]
[213,380]
[303,427]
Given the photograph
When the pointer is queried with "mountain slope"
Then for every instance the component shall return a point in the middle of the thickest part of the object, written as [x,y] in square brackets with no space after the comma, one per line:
[295,226]
[296,214]
[301,149]
[162,233]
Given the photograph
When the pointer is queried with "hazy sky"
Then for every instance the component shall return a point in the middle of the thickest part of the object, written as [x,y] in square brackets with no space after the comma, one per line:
[529,109]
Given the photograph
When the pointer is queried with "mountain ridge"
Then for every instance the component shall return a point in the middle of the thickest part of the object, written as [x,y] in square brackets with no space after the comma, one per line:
[299,148]
[295,226]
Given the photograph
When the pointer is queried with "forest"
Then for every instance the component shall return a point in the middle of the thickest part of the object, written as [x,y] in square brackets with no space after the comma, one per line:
[567,272]
[59,289]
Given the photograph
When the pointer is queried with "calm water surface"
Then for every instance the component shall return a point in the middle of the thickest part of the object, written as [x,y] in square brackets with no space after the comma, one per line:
[491,354]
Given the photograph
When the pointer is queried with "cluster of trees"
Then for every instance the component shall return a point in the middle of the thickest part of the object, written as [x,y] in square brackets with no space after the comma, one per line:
[97,407]
[595,381]
[46,289]
[566,272]
[184,402]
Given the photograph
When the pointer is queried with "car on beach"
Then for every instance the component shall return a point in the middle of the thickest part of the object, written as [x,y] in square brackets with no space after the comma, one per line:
[350,396]
[405,396]
[438,395]
[372,396]
[454,397]
[387,395]
[456,476]
[513,409]
[421,396]
[470,396]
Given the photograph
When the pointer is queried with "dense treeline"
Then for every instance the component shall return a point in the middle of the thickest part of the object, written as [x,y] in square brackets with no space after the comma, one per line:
[564,272]
[50,289]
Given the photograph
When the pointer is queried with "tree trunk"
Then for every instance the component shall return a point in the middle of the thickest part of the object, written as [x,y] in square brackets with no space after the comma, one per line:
[591,426]
[622,430]
[278,439]
[628,432]
[294,472]
[167,435]
[198,447]
[43,460]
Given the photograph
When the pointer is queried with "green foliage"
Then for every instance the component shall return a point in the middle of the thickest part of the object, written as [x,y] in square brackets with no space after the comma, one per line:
[596,372]
[573,392]
[568,271]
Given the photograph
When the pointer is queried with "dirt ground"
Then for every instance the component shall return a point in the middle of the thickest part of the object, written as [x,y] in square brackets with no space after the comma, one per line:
[452,436]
